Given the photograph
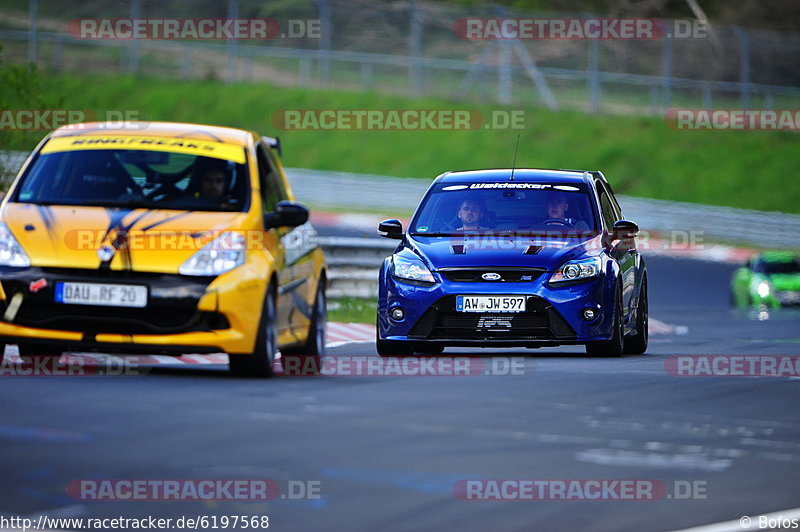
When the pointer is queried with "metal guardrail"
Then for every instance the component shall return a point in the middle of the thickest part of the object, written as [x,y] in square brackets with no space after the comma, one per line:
[323,189]
[354,265]
[746,64]
[354,262]
[375,59]
[711,223]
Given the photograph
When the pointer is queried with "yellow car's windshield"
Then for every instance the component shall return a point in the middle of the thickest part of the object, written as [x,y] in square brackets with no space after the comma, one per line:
[135,178]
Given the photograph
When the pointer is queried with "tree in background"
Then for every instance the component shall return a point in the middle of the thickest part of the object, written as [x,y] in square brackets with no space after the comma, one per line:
[20,88]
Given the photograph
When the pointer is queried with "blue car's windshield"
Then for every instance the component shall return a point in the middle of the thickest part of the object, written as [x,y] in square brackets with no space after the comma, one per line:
[452,208]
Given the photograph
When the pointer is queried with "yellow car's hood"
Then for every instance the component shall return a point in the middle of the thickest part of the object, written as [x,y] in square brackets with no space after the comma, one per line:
[137,239]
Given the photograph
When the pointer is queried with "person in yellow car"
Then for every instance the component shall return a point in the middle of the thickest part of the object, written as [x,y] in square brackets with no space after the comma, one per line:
[160,238]
[213,184]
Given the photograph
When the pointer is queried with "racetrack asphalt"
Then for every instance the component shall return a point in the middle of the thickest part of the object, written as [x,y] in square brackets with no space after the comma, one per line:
[385,452]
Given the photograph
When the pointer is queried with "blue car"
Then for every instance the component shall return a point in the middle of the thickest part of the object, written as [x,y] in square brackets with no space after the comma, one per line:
[514,258]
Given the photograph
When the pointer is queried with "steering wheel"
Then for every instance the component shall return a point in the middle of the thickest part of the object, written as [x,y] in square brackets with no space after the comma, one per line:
[557,221]
[164,192]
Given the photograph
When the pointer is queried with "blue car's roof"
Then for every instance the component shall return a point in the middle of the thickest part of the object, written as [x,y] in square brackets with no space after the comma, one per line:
[521,174]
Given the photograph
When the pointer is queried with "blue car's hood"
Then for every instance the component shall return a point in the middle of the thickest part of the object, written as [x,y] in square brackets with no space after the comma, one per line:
[455,252]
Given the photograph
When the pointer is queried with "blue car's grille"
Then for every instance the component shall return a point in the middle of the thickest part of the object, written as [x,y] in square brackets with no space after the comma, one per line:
[539,322]
[506,275]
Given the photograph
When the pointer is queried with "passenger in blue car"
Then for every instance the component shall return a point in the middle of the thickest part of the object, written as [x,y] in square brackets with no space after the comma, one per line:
[471,213]
[557,207]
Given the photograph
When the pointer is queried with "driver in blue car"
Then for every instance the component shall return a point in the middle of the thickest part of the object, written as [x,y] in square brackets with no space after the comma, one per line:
[557,207]
[471,212]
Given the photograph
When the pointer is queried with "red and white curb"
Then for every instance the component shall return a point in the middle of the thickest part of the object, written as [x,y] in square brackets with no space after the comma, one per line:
[659,327]
[346,333]
[339,334]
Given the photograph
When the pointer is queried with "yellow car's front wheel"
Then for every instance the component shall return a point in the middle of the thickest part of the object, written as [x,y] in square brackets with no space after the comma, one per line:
[309,355]
[259,363]
[30,352]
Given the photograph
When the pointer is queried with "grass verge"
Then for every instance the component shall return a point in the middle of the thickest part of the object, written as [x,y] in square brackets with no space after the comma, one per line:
[640,155]
[352,310]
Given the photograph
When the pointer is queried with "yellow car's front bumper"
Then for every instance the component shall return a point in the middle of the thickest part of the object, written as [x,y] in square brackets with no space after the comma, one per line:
[200,315]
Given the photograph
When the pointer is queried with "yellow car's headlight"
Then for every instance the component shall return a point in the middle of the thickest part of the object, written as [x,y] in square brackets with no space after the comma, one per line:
[11,253]
[222,254]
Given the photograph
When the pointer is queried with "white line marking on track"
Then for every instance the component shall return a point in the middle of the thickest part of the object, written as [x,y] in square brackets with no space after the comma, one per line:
[339,334]
[618,457]
[750,522]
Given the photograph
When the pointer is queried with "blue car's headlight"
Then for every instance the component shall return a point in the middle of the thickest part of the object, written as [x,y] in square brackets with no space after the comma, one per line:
[577,270]
[411,270]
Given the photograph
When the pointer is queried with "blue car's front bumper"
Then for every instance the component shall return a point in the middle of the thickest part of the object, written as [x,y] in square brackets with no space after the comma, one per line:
[552,316]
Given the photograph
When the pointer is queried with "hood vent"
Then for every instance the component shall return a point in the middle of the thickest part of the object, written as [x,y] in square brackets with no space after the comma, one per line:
[532,249]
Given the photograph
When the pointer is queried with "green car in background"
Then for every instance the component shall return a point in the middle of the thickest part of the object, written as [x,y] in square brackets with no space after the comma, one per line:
[769,279]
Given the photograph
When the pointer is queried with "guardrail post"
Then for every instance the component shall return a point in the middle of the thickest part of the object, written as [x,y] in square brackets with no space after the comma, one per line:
[324,52]
[233,71]
[32,23]
[57,55]
[594,76]
[134,44]
[666,80]
[744,65]
[654,105]
[305,72]
[706,97]
[186,63]
[504,73]
[366,74]
[414,49]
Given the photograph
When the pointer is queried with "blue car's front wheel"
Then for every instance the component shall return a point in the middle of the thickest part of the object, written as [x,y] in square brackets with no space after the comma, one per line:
[637,344]
[614,346]
[391,348]
[429,349]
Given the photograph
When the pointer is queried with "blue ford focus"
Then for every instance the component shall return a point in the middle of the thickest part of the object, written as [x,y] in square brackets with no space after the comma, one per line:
[523,258]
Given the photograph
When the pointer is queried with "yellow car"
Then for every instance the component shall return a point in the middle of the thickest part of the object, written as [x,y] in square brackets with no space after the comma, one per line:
[159,238]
